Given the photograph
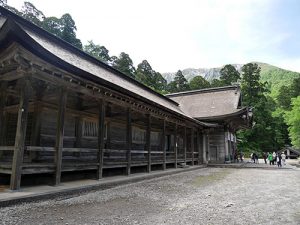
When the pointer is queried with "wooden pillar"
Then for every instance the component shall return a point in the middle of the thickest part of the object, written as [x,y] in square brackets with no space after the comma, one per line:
[60,133]
[15,180]
[148,142]
[175,145]
[192,145]
[184,144]
[128,141]
[3,96]
[36,128]
[163,145]
[101,131]
[78,131]
[108,138]
[205,148]
[199,147]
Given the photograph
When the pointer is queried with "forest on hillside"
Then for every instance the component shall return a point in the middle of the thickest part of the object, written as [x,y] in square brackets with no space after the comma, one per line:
[273,94]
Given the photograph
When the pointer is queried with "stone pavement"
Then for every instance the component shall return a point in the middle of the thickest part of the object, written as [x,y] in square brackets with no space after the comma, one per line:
[290,164]
[74,188]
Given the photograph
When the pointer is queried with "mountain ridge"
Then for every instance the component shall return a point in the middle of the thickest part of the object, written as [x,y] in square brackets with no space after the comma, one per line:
[275,76]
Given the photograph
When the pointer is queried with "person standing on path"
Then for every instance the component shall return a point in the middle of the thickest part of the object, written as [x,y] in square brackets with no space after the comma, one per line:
[274,158]
[265,157]
[279,160]
[270,158]
[283,157]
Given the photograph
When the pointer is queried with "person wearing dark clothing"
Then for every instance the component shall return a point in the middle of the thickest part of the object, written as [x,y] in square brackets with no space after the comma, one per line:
[265,157]
[279,160]
[256,158]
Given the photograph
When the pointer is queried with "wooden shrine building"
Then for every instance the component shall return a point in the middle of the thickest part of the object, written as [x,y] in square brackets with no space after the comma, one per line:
[62,111]
[221,105]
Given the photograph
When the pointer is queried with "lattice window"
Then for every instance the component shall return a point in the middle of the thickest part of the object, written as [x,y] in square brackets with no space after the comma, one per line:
[90,129]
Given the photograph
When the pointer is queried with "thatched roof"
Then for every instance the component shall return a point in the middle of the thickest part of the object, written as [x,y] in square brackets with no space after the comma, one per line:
[67,57]
[210,103]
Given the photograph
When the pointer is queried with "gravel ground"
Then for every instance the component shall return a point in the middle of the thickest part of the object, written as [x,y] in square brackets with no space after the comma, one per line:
[205,196]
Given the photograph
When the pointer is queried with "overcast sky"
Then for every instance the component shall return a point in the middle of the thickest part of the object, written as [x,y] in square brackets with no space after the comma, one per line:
[181,34]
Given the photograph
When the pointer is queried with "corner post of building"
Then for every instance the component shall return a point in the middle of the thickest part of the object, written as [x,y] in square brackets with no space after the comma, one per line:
[62,104]
[3,97]
[199,146]
[101,131]
[184,143]
[192,145]
[15,180]
[176,145]
[204,147]
[128,141]
[148,142]
[163,144]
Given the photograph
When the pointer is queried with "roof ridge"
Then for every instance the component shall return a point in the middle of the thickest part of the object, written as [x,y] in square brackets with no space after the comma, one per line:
[204,90]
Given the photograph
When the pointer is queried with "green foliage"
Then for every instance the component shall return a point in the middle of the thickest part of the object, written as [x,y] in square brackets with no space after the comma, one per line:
[3,3]
[150,77]
[31,13]
[229,75]
[292,118]
[68,31]
[198,82]
[266,135]
[252,88]
[97,51]
[124,64]
[63,28]
[216,83]
[179,84]
[276,77]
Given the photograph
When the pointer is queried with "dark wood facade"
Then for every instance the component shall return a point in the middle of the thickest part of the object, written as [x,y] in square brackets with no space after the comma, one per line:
[56,119]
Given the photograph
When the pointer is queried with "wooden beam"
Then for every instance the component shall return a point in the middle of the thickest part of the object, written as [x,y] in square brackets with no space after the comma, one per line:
[128,141]
[176,145]
[3,97]
[192,144]
[184,143]
[148,142]
[60,133]
[15,180]
[101,131]
[163,144]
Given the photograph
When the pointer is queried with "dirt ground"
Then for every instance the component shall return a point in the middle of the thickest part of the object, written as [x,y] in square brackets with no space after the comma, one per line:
[204,196]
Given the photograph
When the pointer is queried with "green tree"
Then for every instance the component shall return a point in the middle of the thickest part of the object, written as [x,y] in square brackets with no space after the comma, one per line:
[149,77]
[286,93]
[97,51]
[124,64]
[3,3]
[252,88]
[229,75]
[179,84]
[198,82]
[284,97]
[216,83]
[68,32]
[31,13]
[264,135]
[292,118]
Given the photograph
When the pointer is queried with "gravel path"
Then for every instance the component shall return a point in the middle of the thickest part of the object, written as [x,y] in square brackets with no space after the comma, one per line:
[205,196]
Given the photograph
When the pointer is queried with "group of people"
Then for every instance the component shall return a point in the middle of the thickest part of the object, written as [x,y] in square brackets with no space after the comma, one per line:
[278,158]
[273,158]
